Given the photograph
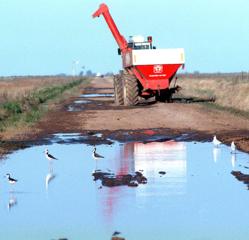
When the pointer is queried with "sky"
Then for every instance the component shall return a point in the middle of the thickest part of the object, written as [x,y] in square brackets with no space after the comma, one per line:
[44,37]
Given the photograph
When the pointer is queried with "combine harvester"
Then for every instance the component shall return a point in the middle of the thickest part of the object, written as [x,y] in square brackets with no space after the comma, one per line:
[147,71]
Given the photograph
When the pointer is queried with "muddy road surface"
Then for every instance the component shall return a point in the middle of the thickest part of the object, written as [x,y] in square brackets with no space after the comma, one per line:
[94,111]
[153,161]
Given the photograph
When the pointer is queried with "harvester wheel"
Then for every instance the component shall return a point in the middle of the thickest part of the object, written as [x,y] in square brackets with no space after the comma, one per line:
[130,90]
[118,90]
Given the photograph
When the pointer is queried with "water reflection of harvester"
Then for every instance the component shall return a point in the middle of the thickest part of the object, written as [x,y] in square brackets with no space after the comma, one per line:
[154,157]
[150,158]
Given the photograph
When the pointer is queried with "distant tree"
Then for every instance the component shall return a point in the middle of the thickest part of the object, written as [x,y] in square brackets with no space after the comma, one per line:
[61,75]
[89,73]
[109,74]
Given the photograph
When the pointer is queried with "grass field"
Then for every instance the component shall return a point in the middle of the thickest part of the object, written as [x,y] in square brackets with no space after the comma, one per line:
[230,91]
[16,88]
[24,100]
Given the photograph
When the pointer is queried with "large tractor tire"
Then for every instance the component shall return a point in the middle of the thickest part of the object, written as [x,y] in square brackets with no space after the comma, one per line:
[130,91]
[118,90]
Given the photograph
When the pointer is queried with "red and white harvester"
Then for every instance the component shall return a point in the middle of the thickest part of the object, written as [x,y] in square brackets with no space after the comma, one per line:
[147,71]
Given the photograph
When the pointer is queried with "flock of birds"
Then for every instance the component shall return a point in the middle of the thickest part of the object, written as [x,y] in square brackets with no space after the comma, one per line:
[97,156]
[50,157]
[217,143]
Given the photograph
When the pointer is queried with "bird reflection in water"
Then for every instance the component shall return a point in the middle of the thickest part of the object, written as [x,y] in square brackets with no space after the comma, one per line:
[233,160]
[12,201]
[216,154]
[50,176]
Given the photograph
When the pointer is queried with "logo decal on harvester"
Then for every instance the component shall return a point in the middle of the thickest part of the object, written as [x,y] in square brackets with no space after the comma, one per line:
[158,68]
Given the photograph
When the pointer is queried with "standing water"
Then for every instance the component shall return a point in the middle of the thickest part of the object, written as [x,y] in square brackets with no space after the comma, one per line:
[196,198]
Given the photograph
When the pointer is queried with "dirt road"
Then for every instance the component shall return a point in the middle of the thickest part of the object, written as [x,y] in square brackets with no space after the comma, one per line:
[90,113]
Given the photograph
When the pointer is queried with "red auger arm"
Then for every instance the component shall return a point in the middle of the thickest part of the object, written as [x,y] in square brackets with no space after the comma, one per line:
[104,10]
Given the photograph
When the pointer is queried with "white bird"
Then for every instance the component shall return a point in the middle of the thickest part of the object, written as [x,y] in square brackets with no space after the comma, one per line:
[95,155]
[11,180]
[233,147]
[216,142]
[49,156]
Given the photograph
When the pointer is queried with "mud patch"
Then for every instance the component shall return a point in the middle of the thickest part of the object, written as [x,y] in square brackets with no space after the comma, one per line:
[111,180]
[241,177]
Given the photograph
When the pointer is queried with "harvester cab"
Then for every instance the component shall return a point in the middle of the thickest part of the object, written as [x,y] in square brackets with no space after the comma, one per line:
[138,42]
[147,71]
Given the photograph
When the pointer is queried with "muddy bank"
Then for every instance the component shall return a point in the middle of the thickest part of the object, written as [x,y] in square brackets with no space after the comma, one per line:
[93,111]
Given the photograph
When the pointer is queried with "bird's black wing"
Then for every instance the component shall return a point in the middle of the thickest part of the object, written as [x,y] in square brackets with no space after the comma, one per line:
[116,233]
[98,156]
[51,156]
[12,179]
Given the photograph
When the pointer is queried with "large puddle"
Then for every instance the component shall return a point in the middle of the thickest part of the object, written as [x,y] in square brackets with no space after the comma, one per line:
[197,198]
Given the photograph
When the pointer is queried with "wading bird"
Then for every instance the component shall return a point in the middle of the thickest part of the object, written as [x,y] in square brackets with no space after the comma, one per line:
[49,156]
[95,155]
[216,142]
[233,148]
[11,180]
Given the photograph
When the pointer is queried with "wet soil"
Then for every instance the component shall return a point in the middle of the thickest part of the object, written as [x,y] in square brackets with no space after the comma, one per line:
[241,177]
[109,179]
[87,115]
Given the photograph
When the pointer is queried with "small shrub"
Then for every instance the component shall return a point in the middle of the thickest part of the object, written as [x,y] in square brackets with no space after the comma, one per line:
[12,107]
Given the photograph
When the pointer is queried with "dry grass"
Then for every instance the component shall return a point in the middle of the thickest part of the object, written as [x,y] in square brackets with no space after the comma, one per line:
[14,89]
[228,91]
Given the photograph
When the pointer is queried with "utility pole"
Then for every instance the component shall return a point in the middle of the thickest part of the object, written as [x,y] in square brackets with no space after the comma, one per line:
[74,67]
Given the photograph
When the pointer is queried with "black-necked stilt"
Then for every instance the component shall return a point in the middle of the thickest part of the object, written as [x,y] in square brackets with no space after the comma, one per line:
[216,142]
[233,148]
[49,156]
[95,155]
[10,179]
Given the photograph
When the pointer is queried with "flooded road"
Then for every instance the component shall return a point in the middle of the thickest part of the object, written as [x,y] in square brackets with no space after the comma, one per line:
[196,198]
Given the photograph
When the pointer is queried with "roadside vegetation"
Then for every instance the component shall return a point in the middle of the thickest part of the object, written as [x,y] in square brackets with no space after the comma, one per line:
[230,91]
[23,101]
